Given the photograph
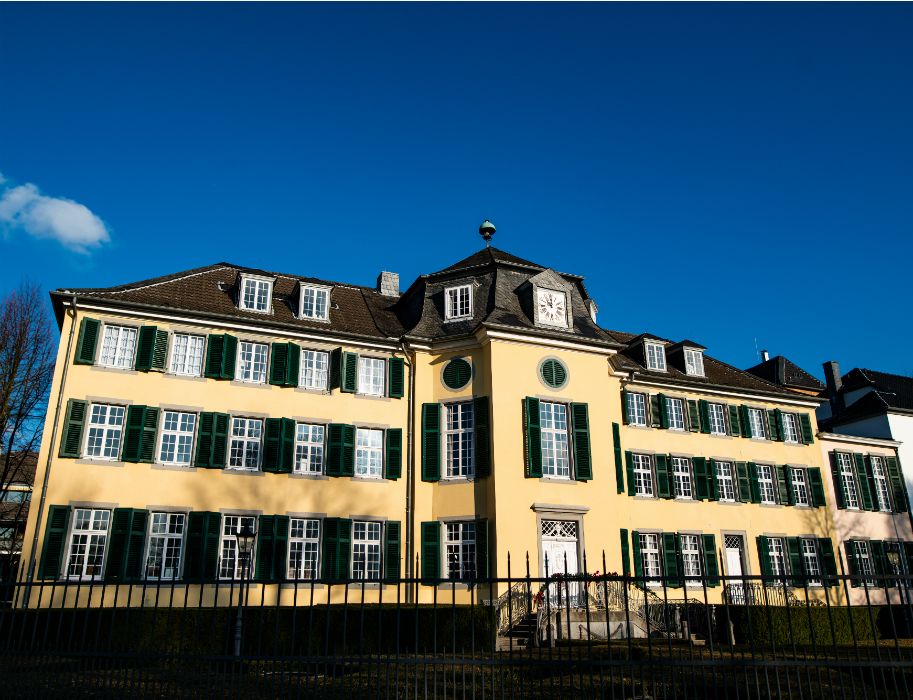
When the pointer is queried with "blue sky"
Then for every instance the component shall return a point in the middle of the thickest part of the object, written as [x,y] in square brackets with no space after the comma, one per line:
[736,174]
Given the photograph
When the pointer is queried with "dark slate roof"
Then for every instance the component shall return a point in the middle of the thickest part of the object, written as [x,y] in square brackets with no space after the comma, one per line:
[488,256]
[895,390]
[782,371]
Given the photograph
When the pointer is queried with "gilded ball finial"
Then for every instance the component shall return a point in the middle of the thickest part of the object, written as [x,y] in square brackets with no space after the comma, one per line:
[486,231]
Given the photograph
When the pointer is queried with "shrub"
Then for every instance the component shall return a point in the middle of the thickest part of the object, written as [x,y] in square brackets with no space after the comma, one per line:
[784,626]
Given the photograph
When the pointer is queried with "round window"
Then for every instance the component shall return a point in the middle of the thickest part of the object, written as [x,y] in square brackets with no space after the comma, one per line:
[457,373]
[553,373]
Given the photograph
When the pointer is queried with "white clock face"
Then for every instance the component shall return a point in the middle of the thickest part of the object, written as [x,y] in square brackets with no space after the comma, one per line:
[552,307]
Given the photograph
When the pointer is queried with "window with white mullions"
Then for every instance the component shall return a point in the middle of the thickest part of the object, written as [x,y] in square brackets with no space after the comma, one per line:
[694,362]
[458,302]
[556,460]
[757,420]
[245,443]
[106,426]
[460,544]
[88,540]
[864,564]
[458,439]
[691,555]
[637,408]
[717,414]
[790,427]
[777,555]
[366,550]
[315,303]
[371,376]
[649,554]
[800,486]
[766,484]
[656,356]
[231,564]
[848,479]
[309,448]
[811,561]
[303,548]
[314,369]
[643,475]
[369,452]
[675,414]
[255,294]
[176,443]
[252,361]
[881,484]
[118,346]
[725,482]
[681,472]
[187,354]
[166,536]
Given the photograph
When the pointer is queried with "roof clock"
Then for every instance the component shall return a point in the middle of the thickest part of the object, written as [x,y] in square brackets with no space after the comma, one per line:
[551,307]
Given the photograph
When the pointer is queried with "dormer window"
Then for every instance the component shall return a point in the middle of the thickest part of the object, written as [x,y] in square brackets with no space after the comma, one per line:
[315,302]
[458,302]
[694,362]
[551,307]
[656,356]
[256,293]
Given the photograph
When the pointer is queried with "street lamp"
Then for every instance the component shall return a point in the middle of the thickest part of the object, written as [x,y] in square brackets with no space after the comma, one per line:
[244,537]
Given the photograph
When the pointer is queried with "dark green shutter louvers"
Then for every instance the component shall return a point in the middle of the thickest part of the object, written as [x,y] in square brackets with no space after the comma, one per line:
[865,495]
[711,563]
[457,373]
[393,457]
[694,416]
[337,548]
[392,554]
[284,364]
[55,540]
[396,377]
[482,421]
[663,411]
[71,440]
[431,442]
[126,545]
[743,482]
[816,486]
[625,418]
[625,553]
[580,424]
[636,556]
[734,424]
[778,417]
[483,567]
[784,490]
[745,422]
[663,478]
[754,483]
[344,371]
[272,547]
[629,468]
[86,342]
[212,440]
[828,560]
[671,555]
[151,349]
[713,487]
[279,445]
[704,407]
[431,552]
[203,532]
[619,463]
[764,556]
[898,489]
[701,480]
[532,438]
[796,562]
[656,410]
[838,482]
[221,352]
[553,373]
[805,423]
[139,434]
[340,450]
[773,426]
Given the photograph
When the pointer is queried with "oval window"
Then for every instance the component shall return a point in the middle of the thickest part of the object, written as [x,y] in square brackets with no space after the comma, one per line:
[553,373]
[457,373]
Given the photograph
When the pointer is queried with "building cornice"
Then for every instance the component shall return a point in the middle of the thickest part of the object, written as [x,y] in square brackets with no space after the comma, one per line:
[858,440]
[488,333]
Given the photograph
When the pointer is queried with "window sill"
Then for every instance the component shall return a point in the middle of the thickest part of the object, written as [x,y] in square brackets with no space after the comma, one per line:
[312,477]
[446,480]
[101,462]
[255,385]
[370,479]
[685,499]
[314,318]
[186,377]
[118,370]
[247,472]
[174,467]
[719,435]
[645,497]
[559,480]
[312,390]
[372,397]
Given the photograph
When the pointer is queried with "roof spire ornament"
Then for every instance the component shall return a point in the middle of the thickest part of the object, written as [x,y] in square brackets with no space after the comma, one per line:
[486,231]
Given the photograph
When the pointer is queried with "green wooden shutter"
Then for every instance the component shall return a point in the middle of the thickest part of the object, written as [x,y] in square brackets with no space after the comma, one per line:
[828,560]
[743,482]
[735,428]
[580,424]
[745,422]
[229,356]
[656,410]
[663,411]
[287,453]
[272,445]
[816,486]
[431,551]
[754,484]
[280,547]
[392,551]
[629,461]
[150,426]
[532,438]
[713,489]
[796,562]
[348,451]
[838,482]
[138,433]
[637,558]
[204,440]
[160,352]
[483,567]
[711,563]
[784,492]
[671,552]
[701,480]
[396,377]
[263,571]
[694,416]
[431,442]
[86,342]
[126,545]
[865,494]
[278,364]
[619,463]
[880,559]
[778,419]
[704,408]
[852,566]
[625,418]
[330,548]
[344,550]
[482,443]
[898,489]
[764,556]
[75,417]
[663,478]
[808,435]
[625,553]
[790,488]
[772,425]
[393,457]
[203,533]
[345,369]
[221,352]
[145,348]
[340,449]
[220,441]
[870,477]
[55,541]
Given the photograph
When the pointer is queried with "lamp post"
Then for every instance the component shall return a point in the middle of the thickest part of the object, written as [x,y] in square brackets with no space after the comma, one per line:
[245,540]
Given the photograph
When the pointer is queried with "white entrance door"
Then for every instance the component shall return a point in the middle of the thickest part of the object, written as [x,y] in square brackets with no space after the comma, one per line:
[734,568]
[559,559]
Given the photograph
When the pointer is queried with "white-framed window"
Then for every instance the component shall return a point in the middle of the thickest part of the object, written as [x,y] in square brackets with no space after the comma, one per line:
[848,479]
[252,362]
[681,474]
[255,294]
[766,485]
[232,564]
[315,302]
[371,376]
[757,420]
[245,443]
[369,452]
[643,474]
[460,545]
[694,362]
[800,486]
[187,354]
[650,556]
[725,481]
[88,540]
[691,555]
[556,460]
[458,302]
[675,413]
[314,369]
[656,356]
[717,415]
[166,538]
[366,550]
[117,347]
[864,564]
[303,548]
[777,554]
[309,448]
[459,434]
[106,427]
[637,408]
[881,483]
[176,441]
[812,563]
[791,427]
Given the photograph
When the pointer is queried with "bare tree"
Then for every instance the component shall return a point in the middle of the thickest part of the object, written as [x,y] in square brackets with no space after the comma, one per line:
[26,370]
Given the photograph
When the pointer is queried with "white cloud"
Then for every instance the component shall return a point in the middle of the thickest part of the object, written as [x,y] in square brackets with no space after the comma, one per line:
[70,223]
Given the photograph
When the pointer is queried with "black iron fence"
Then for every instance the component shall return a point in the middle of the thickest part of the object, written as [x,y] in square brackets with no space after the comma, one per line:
[567,635]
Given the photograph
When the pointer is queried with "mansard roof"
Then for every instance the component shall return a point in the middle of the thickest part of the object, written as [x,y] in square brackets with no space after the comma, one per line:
[782,371]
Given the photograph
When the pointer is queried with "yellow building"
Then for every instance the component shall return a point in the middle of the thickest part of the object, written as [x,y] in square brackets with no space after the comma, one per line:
[361,432]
